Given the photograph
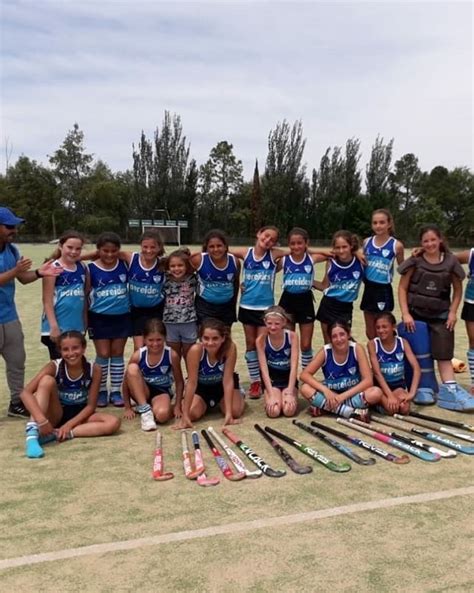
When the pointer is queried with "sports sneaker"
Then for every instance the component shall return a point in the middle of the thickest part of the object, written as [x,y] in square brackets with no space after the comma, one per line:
[361,414]
[17,411]
[315,412]
[255,390]
[424,396]
[147,421]
[116,399]
[452,396]
[103,399]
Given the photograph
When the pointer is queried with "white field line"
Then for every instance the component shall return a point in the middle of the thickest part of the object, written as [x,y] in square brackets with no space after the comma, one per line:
[212,531]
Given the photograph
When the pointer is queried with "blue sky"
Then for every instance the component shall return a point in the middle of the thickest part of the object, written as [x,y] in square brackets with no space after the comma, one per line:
[232,70]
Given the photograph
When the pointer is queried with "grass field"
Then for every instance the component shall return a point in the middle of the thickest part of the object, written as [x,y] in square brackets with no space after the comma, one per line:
[375,529]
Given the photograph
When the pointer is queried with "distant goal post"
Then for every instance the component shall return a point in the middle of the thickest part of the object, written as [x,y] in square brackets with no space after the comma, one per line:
[169,230]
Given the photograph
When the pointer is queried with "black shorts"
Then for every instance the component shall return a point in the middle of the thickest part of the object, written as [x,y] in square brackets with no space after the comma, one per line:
[225,312]
[109,327]
[155,390]
[441,338]
[140,315]
[213,393]
[252,317]
[377,298]
[467,313]
[300,306]
[331,310]
[52,347]
[70,412]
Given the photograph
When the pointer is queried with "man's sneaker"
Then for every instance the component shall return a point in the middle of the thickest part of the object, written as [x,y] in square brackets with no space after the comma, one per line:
[255,390]
[103,399]
[315,412]
[17,411]
[424,396]
[452,396]
[147,421]
[116,399]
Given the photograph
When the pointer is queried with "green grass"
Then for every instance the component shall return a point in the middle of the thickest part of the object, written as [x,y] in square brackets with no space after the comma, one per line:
[100,490]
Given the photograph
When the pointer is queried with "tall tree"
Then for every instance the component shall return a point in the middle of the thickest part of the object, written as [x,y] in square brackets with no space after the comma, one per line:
[256,201]
[377,173]
[404,188]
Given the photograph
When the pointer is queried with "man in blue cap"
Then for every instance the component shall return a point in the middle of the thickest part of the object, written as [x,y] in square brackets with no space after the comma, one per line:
[14,266]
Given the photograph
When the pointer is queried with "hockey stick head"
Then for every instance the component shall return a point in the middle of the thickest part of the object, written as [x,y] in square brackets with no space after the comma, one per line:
[401,460]
[236,477]
[252,475]
[203,480]
[162,477]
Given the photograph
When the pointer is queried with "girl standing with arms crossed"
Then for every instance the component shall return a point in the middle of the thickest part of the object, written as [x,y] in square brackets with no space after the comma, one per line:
[424,294]
[380,251]
[64,303]
[151,372]
[109,315]
[218,273]
[62,398]
[467,314]
[341,283]
[278,351]
[212,380]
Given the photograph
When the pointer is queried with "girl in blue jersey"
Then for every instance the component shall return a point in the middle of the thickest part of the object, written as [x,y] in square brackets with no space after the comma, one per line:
[348,383]
[212,380]
[64,304]
[298,280]
[259,269]
[218,273]
[62,398]
[388,355]
[151,372]
[380,252]
[341,283]
[109,315]
[467,314]
[278,351]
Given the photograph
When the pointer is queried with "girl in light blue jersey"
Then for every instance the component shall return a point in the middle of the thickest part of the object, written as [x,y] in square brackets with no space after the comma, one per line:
[388,355]
[109,315]
[347,387]
[218,273]
[381,250]
[341,283]
[62,398]
[64,303]
[467,257]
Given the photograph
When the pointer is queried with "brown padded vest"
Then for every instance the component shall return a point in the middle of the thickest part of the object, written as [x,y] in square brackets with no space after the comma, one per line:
[429,290]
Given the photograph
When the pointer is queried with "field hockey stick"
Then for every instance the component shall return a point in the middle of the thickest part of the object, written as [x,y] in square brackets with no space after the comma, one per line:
[221,462]
[254,458]
[234,458]
[453,423]
[388,422]
[283,453]
[363,444]
[188,468]
[388,440]
[335,444]
[158,474]
[437,427]
[310,452]
[202,479]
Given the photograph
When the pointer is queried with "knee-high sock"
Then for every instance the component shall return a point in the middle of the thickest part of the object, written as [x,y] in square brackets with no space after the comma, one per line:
[32,447]
[117,370]
[470,362]
[306,357]
[319,401]
[251,359]
[104,365]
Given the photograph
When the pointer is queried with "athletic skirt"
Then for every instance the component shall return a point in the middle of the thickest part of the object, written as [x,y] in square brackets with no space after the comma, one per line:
[212,394]
[109,327]
[467,312]
[331,310]
[140,316]
[251,316]
[300,306]
[225,312]
[377,298]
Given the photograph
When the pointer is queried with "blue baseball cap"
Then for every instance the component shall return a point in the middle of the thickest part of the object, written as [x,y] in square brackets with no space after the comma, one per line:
[7,217]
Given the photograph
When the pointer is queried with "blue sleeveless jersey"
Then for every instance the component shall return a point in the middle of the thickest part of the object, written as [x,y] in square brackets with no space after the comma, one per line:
[469,294]
[341,377]
[159,374]
[8,258]
[279,359]
[72,392]
[297,277]
[344,280]
[69,295]
[144,284]
[380,260]
[392,364]
[258,281]
[109,289]
[216,285]
[210,374]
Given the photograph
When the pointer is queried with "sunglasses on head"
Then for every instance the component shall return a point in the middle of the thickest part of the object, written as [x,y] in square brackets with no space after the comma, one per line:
[10,227]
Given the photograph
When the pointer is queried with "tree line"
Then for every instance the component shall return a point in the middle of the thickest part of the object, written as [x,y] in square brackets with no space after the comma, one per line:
[76,191]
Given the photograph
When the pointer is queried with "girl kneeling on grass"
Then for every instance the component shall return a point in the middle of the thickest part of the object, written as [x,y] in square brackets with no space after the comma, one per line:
[150,375]
[278,351]
[212,379]
[348,384]
[388,353]
[62,398]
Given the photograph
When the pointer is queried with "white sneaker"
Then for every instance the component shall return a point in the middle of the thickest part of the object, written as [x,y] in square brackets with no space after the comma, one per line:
[147,421]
